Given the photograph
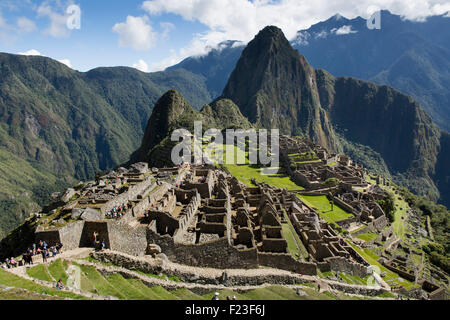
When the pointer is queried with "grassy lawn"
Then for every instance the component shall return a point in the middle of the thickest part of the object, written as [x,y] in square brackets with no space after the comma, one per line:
[147,291]
[322,205]
[58,270]
[368,236]
[391,277]
[126,288]
[399,223]
[40,272]
[12,280]
[185,294]
[246,172]
[101,286]
[295,245]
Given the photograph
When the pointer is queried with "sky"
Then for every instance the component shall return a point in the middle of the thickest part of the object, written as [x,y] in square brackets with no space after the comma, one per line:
[154,34]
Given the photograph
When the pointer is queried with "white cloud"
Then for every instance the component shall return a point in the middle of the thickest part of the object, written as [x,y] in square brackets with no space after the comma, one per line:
[343,30]
[167,27]
[58,22]
[25,25]
[141,65]
[66,62]
[32,52]
[242,19]
[136,33]
[321,34]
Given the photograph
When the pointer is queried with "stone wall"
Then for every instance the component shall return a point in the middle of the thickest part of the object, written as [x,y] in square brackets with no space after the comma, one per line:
[286,262]
[131,194]
[70,235]
[185,220]
[215,254]
[221,277]
[343,205]
[131,240]
[344,265]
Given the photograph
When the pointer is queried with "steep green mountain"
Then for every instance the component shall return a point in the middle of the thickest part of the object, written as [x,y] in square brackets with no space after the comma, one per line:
[172,112]
[58,125]
[275,87]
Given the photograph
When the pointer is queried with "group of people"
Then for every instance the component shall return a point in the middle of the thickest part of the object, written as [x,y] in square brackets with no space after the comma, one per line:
[41,248]
[10,263]
[216,297]
[118,211]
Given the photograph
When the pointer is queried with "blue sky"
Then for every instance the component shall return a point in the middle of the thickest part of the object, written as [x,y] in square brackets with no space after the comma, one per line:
[154,34]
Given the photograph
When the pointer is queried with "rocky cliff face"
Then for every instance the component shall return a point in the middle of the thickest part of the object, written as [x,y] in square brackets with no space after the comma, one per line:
[275,87]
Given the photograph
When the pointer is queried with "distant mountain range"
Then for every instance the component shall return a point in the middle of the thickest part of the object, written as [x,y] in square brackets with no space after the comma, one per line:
[413,57]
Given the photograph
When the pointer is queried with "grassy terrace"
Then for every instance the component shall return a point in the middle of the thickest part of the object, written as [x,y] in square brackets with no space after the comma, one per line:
[246,172]
[12,280]
[368,236]
[134,289]
[401,207]
[295,245]
[322,205]
[391,278]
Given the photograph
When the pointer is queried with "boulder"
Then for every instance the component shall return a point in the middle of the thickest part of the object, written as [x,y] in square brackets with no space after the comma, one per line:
[76,213]
[91,214]
[153,249]
[122,170]
[162,257]
[139,167]
[68,195]
[55,195]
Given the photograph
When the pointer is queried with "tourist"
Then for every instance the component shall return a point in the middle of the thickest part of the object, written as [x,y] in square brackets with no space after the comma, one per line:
[234,297]
[59,285]
[7,263]
[44,245]
[94,239]
[103,245]
[59,247]
[44,255]
[216,296]
[13,262]
[228,298]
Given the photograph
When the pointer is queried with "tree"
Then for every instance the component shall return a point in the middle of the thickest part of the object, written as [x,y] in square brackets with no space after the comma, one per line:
[331,182]
[388,206]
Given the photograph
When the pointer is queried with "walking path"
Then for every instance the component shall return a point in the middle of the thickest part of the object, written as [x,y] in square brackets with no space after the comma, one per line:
[252,277]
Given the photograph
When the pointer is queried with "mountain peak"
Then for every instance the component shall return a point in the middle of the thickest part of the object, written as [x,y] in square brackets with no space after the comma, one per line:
[274,87]
[166,111]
